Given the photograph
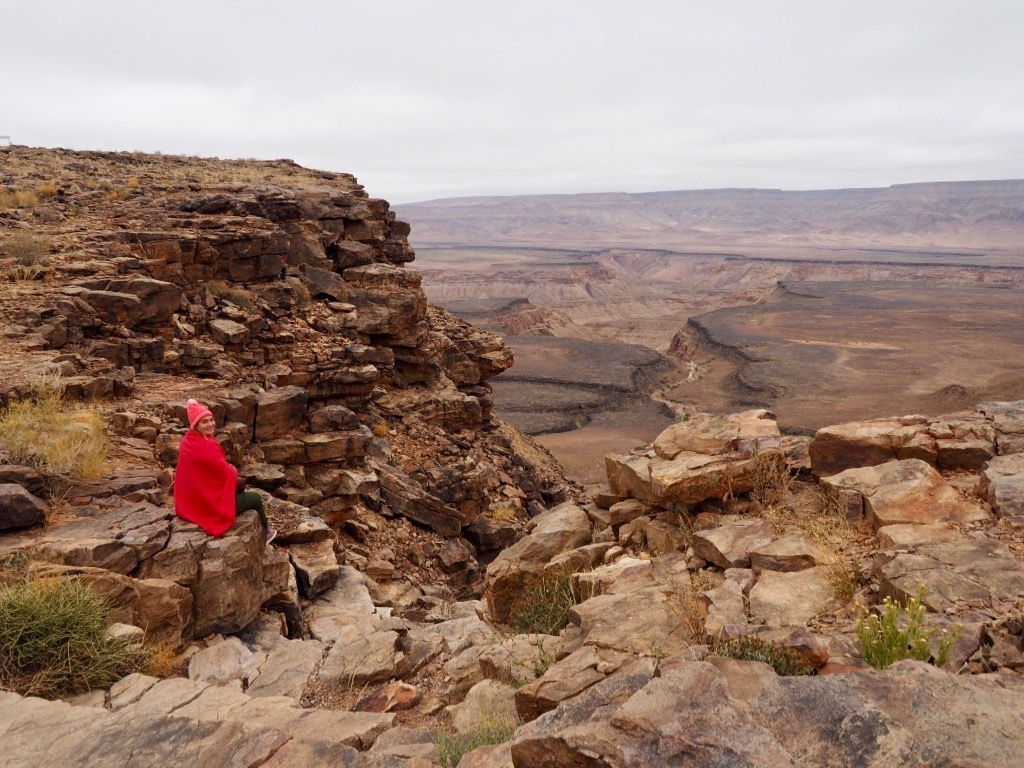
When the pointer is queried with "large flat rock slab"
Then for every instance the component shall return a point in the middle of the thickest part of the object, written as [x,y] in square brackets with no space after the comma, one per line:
[959,574]
[687,478]
[866,443]
[790,599]
[911,714]
[645,621]
[729,545]
[39,732]
[906,491]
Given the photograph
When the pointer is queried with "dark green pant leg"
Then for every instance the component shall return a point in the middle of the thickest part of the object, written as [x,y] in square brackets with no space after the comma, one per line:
[247,500]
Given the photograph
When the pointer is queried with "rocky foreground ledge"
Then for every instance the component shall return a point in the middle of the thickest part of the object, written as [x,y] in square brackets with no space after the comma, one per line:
[635,678]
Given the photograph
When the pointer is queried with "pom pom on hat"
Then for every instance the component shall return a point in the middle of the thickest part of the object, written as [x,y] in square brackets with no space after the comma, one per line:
[196,413]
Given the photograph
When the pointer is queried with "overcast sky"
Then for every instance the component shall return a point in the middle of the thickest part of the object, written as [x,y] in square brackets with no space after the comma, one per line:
[426,99]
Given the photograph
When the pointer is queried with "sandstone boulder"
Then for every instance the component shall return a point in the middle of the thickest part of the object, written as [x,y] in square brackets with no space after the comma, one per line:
[729,545]
[962,572]
[727,615]
[646,621]
[1002,485]
[325,446]
[118,539]
[359,659]
[113,307]
[790,599]
[613,719]
[228,331]
[866,443]
[285,670]
[908,536]
[907,491]
[686,479]
[19,508]
[316,566]
[574,674]
[791,552]
[747,434]
[1008,421]
[409,499]
[279,411]
[556,530]
[27,477]
[228,591]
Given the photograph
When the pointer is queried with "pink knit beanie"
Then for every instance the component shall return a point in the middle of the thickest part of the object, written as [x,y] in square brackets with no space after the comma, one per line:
[196,412]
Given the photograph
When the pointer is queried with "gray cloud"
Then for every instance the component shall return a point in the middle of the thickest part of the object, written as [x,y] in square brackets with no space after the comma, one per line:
[448,98]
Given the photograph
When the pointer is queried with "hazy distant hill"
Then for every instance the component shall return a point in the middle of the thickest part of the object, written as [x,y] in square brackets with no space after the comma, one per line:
[963,214]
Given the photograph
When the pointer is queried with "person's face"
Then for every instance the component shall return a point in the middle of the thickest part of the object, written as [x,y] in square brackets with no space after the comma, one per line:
[206,426]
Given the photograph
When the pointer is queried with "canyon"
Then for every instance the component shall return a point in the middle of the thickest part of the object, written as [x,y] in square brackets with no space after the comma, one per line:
[785,300]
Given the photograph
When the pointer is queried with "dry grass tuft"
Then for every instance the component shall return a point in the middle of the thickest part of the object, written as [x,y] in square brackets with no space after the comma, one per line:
[689,604]
[163,661]
[772,480]
[236,296]
[790,504]
[26,250]
[18,198]
[542,607]
[60,441]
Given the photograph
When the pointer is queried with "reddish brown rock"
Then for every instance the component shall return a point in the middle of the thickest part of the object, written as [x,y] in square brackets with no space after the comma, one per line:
[19,508]
[867,443]
[908,491]
[279,411]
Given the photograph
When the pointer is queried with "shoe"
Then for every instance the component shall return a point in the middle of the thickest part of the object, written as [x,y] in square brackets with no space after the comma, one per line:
[271,535]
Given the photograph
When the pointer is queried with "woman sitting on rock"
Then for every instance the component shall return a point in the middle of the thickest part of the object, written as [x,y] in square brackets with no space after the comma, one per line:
[207,489]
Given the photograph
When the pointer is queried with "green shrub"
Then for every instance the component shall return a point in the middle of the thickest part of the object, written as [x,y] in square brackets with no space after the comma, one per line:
[58,440]
[898,632]
[451,745]
[54,640]
[786,662]
[542,607]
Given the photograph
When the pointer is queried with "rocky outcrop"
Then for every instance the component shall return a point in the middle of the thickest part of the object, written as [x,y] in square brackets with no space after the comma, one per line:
[703,458]
[907,491]
[964,440]
[553,532]
[286,307]
[909,715]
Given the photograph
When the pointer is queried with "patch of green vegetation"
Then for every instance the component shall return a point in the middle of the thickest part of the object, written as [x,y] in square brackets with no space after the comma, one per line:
[784,661]
[54,640]
[543,606]
[898,632]
[451,745]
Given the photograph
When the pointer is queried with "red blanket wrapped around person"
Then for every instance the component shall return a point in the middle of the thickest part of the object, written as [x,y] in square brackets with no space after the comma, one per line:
[204,484]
